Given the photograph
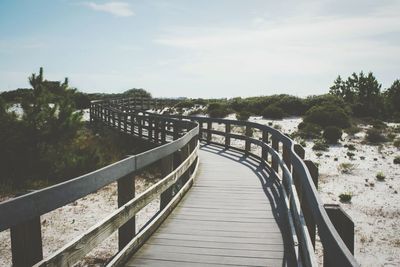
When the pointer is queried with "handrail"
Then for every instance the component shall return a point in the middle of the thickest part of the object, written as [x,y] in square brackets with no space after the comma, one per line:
[330,239]
[295,178]
[22,214]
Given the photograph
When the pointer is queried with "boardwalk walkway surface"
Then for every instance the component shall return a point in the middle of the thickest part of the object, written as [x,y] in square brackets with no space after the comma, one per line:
[232,216]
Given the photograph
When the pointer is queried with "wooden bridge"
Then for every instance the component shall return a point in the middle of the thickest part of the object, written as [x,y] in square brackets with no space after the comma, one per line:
[249,204]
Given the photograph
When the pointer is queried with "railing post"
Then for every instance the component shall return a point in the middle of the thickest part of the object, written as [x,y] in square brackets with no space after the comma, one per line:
[345,228]
[157,130]
[176,130]
[163,134]
[209,134]
[313,169]
[167,167]
[140,129]
[286,156]
[200,129]
[125,122]
[227,137]
[150,128]
[264,150]
[26,243]
[126,192]
[275,146]
[247,141]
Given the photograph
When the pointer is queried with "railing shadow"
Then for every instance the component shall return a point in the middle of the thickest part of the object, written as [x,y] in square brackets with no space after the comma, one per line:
[272,189]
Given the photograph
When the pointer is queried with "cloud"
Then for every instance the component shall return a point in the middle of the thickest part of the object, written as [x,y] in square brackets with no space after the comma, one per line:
[119,9]
[311,50]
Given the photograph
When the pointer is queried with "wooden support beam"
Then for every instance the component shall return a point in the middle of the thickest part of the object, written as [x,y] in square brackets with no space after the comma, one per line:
[209,134]
[264,153]
[26,243]
[249,133]
[311,225]
[126,192]
[167,166]
[227,138]
[275,146]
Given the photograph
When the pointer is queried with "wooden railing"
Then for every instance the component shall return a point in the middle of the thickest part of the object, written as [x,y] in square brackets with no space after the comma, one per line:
[177,154]
[298,177]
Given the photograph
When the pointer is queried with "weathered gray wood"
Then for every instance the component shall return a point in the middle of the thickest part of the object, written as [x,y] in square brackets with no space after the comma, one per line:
[249,133]
[345,227]
[223,222]
[26,243]
[313,169]
[275,146]
[139,240]
[126,192]
[209,134]
[264,153]
[166,168]
[76,249]
[227,138]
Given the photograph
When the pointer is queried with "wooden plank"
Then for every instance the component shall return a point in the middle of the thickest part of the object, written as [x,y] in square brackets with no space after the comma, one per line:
[211,259]
[139,240]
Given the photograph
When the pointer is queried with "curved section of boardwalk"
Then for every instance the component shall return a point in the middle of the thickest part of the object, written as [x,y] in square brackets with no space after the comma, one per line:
[233,216]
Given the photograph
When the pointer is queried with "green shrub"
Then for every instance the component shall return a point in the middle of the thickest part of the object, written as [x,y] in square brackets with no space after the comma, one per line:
[345,197]
[396,160]
[351,147]
[346,167]
[374,136]
[273,112]
[378,124]
[243,115]
[328,115]
[218,110]
[309,130]
[350,155]
[320,145]
[396,143]
[332,134]
[380,176]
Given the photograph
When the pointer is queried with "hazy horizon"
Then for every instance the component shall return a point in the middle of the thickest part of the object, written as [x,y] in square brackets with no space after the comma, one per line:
[225,48]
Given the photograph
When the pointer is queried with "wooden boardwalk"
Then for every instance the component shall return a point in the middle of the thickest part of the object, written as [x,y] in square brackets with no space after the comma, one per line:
[232,216]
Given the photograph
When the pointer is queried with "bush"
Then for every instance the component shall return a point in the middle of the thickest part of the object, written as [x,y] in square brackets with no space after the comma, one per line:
[350,155]
[328,115]
[273,112]
[345,197]
[320,146]
[332,134]
[380,176]
[346,167]
[218,110]
[351,147]
[396,143]
[309,130]
[243,115]
[396,160]
[374,136]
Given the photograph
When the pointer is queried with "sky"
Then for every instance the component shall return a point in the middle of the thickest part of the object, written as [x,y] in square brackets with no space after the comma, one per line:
[191,48]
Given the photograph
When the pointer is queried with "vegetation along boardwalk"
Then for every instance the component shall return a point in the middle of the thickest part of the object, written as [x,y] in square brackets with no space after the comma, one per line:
[232,193]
